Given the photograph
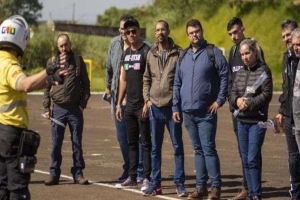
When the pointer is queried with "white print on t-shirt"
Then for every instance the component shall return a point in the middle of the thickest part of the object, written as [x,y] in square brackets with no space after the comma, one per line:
[135,57]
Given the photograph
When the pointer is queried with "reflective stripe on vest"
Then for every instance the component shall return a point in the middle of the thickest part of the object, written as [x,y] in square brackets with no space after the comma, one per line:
[9,107]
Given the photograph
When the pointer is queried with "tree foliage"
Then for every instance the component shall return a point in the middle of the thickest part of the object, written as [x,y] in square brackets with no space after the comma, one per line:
[29,9]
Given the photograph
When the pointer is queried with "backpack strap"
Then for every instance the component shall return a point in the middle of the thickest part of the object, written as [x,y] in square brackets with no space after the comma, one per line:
[211,54]
[181,55]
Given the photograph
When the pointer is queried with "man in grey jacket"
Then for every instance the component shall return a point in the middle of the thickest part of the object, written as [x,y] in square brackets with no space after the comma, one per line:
[158,93]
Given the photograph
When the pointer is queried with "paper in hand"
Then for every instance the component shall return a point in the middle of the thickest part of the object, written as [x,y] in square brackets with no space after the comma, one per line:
[54,120]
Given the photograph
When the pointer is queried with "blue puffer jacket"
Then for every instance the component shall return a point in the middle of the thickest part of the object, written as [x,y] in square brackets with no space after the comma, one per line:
[198,83]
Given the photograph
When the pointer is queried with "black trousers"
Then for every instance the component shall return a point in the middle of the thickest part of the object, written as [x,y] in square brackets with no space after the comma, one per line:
[294,159]
[13,183]
[135,126]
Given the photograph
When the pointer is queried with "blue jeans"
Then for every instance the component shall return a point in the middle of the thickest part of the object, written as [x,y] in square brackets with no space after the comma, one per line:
[251,138]
[159,117]
[123,142]
[74,118]
[202,127]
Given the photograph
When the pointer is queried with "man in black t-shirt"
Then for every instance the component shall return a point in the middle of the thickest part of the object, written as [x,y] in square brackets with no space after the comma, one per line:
[136,112]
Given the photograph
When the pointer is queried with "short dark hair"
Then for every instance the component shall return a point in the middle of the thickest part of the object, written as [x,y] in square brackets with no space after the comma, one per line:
[126,17]
[193,23]
[289,23]
[163,21]
[234,21]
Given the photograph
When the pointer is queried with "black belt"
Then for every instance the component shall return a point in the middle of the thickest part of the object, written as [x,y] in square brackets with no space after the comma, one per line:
[11,129]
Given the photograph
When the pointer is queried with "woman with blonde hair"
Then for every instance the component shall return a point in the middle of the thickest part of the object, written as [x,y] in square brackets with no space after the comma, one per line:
[251,94]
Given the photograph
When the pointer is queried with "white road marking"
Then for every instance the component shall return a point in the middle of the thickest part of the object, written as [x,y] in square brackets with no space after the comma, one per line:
[109,185]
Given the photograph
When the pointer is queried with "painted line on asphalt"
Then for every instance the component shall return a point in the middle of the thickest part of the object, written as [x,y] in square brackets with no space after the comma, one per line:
[108,185]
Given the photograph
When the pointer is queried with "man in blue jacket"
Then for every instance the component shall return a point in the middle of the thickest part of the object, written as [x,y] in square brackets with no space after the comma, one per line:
[200,88]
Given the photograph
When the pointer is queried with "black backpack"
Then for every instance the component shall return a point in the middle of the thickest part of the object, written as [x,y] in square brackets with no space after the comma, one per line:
[210,54]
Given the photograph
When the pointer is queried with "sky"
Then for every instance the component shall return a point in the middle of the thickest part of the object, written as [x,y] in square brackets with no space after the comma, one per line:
[85,11]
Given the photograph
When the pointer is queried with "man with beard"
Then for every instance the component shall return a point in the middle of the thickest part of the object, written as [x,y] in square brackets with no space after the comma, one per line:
[200,88]
[69,99]
[113,67]
[136,113]
[158,94]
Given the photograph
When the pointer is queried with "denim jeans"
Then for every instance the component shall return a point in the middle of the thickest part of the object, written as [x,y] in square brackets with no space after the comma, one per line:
[159,118]
[251,138]
[294,159]
[72,116]
[123,142]
[202,127]
[235,129]
[136,126]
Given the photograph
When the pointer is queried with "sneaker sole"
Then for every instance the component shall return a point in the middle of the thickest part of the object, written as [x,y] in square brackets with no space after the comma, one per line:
[183,195]
[126,187]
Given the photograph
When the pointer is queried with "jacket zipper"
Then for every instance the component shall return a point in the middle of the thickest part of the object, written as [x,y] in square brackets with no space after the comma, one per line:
[192,99]
[161,71]
[247,79]
[65,86]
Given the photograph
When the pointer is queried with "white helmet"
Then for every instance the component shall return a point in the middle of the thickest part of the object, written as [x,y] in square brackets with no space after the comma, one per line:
[14,33]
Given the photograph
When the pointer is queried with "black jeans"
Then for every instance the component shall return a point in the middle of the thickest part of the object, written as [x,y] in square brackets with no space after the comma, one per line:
[135,126]
[294,159]
[235,129]
[13,183]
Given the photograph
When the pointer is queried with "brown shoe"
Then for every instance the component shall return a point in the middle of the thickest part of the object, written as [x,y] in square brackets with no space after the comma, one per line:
[52,181]
[198,193]
[81,181]
[241,195]
[214,194]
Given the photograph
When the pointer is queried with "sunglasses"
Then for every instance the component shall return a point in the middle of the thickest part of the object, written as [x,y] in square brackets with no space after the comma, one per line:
[131,31]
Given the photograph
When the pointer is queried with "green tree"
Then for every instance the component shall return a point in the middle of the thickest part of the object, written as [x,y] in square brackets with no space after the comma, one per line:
[29,9]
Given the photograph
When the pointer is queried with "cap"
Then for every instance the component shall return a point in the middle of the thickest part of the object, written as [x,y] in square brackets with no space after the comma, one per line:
[131,22]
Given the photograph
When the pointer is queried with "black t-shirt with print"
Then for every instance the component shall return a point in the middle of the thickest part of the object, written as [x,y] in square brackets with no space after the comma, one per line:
[237,63]
[134,64]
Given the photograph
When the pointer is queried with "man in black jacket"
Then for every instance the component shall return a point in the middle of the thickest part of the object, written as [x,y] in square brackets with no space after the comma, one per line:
[284,116]
[69,99]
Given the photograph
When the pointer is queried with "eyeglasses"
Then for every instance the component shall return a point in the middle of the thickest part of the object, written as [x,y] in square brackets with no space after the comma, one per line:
[131,31]
[194,32]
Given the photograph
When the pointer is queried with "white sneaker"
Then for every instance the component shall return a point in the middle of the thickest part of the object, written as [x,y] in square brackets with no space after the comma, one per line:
[145,185]
[128,183]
